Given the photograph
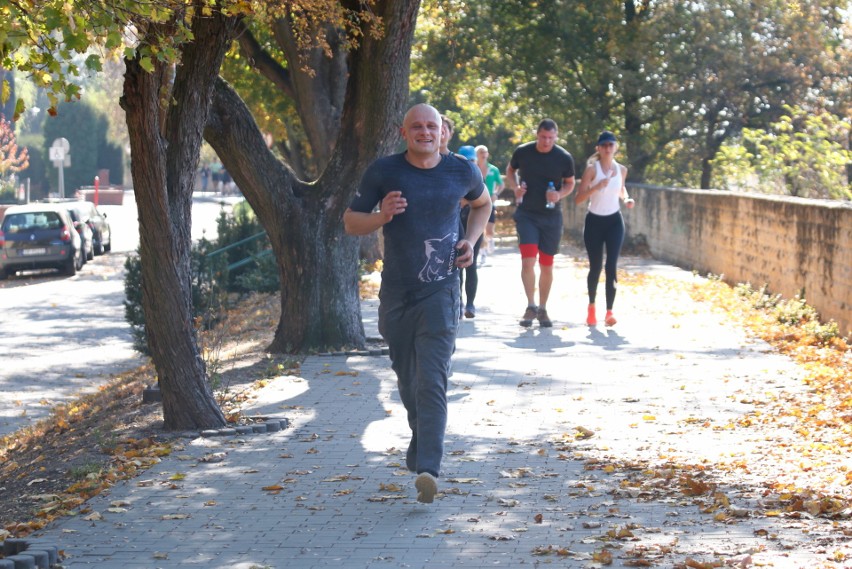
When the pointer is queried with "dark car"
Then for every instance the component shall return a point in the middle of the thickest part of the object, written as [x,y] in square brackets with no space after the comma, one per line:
[101,235]
[85,231]
[39,236]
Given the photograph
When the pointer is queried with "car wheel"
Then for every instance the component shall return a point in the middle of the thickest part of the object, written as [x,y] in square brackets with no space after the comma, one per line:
[90,253]
[3,275]
[108,246]
[99,246]
[70,267]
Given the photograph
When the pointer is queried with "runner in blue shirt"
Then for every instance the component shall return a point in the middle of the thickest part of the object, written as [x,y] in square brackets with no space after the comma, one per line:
[418,193]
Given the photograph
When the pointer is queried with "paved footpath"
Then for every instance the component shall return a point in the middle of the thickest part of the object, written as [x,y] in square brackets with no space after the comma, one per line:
[551,436]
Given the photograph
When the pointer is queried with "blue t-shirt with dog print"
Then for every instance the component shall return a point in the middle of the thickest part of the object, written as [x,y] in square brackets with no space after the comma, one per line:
[420,242]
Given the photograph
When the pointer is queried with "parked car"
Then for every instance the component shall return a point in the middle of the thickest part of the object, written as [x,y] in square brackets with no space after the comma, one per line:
[101,234]
[85,232]
[39,236]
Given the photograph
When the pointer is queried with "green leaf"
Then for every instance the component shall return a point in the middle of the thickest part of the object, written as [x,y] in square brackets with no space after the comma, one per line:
[113,40]
[146,64]
[93,62]
[20,106]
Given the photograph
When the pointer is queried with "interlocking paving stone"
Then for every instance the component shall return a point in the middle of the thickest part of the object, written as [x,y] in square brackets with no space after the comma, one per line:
[515,480]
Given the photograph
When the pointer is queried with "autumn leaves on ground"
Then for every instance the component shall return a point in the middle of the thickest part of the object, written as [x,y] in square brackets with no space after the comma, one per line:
[88,445]
[802,472]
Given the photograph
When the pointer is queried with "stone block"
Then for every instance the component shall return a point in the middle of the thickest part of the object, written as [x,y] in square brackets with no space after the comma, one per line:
[22,561]
[40,557]
[14,545]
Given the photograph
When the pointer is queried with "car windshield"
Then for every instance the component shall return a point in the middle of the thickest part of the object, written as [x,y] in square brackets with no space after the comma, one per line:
[16,222]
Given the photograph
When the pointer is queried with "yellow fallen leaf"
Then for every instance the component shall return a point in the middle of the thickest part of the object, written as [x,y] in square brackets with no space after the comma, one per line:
[584,433]
[464,480]
[604,557]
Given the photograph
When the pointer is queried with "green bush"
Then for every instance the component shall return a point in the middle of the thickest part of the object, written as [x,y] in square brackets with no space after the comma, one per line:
[208,299]
[792,312]
[239,227]
[133,311]
[7,194]
[211,279]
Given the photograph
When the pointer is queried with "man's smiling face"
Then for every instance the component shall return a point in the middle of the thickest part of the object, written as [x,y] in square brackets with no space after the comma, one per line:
[421,130]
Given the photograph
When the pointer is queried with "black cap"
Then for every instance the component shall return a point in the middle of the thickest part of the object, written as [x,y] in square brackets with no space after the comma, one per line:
[606,136]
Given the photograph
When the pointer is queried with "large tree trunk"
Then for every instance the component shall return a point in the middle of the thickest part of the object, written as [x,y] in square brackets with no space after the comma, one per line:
[165,147]
[317,262]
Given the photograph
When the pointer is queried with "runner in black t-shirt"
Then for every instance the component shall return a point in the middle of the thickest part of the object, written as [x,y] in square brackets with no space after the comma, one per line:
[418,192]
[533,166]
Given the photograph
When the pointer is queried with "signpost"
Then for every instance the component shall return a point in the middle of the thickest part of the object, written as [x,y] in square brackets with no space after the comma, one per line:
[60,155]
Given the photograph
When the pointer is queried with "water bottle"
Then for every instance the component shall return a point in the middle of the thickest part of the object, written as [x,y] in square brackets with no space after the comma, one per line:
[550,188]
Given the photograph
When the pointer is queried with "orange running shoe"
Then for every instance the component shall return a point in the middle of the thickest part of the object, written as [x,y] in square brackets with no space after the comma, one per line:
[591,319]
[610,319]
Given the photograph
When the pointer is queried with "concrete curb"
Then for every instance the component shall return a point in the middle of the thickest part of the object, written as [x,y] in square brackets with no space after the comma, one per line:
[271,425]
[23,553]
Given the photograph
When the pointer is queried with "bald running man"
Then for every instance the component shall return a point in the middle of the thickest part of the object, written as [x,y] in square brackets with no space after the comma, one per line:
[418,193]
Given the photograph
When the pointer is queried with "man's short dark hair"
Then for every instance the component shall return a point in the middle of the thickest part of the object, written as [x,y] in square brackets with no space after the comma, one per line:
[547,124]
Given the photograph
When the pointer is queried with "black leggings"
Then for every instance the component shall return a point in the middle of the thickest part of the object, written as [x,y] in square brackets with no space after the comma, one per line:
[600,231]
[469,279]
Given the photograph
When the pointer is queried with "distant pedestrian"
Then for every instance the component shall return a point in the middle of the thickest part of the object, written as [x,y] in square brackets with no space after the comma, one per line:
[447,129]
[494,183]
[602,184]
[227,182]
[418,193]
[469,276]
[541,173]
[204,173]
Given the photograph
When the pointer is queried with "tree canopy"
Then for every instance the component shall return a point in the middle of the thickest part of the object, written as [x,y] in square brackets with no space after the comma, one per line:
[674,79]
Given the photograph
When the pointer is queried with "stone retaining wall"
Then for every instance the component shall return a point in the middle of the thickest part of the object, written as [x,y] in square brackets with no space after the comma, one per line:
[789,244]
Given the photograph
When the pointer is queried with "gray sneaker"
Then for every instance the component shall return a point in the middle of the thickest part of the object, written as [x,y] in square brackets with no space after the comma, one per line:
[529,315]
[427,487]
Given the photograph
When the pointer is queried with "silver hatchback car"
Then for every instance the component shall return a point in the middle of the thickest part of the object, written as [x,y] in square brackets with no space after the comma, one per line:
[39,236]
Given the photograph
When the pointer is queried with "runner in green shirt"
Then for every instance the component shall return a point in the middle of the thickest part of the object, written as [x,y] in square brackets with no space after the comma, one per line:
[494,183]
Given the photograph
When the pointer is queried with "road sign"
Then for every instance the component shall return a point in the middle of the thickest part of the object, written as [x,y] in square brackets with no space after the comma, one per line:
[57,154]
[60,155]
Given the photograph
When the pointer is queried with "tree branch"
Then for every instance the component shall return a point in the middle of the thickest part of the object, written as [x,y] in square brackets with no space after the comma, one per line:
[265,63]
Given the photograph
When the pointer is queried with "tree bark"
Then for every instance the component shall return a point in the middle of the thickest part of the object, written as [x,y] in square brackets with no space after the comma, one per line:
[165,147]
[371,248]
[317,262]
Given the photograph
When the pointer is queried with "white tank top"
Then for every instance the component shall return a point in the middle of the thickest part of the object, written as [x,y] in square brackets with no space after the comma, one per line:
[605,200]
